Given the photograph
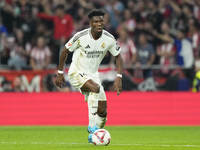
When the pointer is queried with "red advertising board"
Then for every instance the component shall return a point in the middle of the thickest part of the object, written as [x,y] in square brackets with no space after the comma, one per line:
[130,108]
[36,81]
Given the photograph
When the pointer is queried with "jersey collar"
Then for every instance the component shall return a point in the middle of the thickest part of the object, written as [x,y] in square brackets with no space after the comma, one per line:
[92,36]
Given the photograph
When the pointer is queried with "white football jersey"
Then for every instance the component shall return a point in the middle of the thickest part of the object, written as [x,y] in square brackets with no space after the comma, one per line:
[88,53]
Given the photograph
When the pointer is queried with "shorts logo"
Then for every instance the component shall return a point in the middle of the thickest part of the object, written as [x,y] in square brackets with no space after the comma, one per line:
[95,112]
[103,45]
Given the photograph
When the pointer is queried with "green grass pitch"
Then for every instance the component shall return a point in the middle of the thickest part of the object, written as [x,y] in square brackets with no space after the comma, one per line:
[122,138]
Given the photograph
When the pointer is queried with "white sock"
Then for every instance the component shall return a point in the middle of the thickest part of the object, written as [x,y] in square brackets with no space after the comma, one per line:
[92,109]
[100,121]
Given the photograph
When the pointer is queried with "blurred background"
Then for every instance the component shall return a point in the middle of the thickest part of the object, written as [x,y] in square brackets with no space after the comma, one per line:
[160,43]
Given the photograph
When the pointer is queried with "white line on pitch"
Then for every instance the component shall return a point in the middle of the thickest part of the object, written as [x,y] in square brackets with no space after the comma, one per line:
[64,143]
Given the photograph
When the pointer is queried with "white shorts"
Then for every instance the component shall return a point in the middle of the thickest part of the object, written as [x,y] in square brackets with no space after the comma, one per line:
[78,79]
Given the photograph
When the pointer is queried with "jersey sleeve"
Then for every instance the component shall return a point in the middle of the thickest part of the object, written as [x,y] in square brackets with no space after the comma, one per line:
[72,44]
[114,48]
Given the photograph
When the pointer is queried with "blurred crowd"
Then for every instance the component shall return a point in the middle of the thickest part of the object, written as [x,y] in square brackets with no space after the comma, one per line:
[150,32]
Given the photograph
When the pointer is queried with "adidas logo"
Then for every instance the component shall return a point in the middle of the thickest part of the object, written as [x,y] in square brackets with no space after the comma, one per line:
[88,46]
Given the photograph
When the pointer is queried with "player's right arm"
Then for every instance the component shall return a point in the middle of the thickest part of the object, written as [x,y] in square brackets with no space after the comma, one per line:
[70,46]
[63,57]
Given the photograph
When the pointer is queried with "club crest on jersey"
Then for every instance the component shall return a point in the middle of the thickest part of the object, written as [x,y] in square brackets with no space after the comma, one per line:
[103,45]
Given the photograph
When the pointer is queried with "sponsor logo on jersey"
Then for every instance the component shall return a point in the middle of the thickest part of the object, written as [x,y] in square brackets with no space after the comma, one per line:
[93,54]
[88,46]
[103,45]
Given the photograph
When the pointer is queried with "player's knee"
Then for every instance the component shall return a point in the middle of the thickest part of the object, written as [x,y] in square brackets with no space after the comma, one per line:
[102,112]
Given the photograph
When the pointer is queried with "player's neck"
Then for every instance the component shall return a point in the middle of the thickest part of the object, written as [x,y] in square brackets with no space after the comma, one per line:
[95,36]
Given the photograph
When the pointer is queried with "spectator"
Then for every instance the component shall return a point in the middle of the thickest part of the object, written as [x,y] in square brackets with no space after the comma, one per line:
[6,86]
[63,23]
[114,9]
[154,15]
[43,31]
[3,29]
[166,51]
[186,14]
[131,5]
[185,57]
[129,22]
[17,85]
[86,4]
[20,52]
[63,27]
[81,20]
[40,55]
[4,49]
[164,8]
[196,6]
[147,29]
[108,26]
[128,52]
[194,36]
[187,11]
[7,16]
[141,11]
[145,55]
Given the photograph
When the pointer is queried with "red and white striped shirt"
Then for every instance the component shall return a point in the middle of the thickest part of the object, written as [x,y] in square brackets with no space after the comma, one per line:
[128,49]
[167,48]
[40,55]
[166,61]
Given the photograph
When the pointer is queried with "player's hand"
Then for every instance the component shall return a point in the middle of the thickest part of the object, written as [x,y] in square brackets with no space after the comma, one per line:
[118,85]
[59,80]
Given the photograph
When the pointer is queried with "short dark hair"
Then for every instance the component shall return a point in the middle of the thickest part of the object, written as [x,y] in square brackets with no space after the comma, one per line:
[96,12]
[60,7]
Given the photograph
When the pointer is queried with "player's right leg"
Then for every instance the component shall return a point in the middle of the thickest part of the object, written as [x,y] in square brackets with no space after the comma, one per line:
[100,118]
[93,89]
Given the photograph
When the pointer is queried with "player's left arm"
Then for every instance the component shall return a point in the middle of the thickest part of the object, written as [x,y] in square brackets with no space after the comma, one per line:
[118,80]
[115,51]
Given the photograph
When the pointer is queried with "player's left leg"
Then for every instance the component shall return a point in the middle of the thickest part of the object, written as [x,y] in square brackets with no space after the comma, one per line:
[101,114]
[100,118]
[97,111]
